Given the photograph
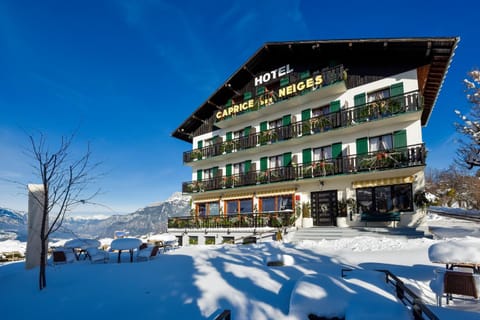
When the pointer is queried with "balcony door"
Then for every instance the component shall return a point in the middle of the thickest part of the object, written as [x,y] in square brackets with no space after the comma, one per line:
[323,207]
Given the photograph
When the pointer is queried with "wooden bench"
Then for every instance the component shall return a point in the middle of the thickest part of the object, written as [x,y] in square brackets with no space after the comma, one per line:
[462,283]
[380,217]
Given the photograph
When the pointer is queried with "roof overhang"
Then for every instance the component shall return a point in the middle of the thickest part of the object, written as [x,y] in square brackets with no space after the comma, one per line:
[433,54]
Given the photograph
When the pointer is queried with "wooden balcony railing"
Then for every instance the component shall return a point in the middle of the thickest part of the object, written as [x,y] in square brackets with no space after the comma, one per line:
[410,156]
[236,220]
[372,111]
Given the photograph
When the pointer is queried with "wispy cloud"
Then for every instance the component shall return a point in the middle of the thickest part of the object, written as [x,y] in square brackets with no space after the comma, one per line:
[166,28]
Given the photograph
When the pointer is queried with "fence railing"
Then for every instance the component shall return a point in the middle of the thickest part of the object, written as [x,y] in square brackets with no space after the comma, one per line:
[406,295]
[235,220]
[372,111]
[409,156]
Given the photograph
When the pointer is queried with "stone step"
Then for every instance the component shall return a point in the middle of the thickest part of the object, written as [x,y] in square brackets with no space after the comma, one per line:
[333,233]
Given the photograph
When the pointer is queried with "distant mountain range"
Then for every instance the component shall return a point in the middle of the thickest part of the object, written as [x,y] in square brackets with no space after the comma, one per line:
[13,225]
[151,219]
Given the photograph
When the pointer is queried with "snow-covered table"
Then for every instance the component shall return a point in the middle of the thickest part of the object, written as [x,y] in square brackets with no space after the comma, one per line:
[122,244]
[457,253]
[79,246]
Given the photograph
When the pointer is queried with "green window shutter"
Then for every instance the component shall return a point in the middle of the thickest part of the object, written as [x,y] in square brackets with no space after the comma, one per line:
[286,120]
[229,103]
[362,145]
[246,131]
[215,171]
[199,144]
[400,139]
[248,165]
[306,114]
[359,99]
[199,175]
[307,156]
[287,159]
[337,150]
[284,82]
[228,170]
[263,126]
[263,164]
[396,89]
[335,106]
[229,136]
[247,95]
[260,90]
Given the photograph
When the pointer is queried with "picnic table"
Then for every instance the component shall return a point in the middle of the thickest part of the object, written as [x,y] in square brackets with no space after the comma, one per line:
[457,254]
[79,246]
[125,244]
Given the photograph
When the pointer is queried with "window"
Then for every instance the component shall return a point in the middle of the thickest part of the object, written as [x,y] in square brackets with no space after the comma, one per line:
[211,142]
[320,111]
[276,203]
[322,153]
[208,174]
[240,206]
[276,161]
[275,123]
[381,143]
[378,95]
[385,199]
[239,168]
[208,209]
[238,134]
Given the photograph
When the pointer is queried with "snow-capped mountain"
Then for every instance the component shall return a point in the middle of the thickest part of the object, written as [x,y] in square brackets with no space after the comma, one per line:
[152,218]
[13,225]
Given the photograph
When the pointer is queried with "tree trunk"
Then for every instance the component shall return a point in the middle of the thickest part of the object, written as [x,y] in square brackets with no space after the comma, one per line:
[42,281]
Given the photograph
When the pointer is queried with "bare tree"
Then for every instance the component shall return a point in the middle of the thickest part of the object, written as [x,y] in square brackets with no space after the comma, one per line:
[454,186]
[469,151]
[64,179]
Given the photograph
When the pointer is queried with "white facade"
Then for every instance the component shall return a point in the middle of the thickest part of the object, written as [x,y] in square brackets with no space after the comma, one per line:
[346,136]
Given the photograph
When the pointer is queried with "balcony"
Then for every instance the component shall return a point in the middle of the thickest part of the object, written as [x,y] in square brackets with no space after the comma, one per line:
[410,156]
[241,220]
[282,98]
[372,111]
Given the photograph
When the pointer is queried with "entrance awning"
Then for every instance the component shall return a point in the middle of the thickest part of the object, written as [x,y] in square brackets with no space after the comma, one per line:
[382,182]
[238,196]
[271,193]
[204,200]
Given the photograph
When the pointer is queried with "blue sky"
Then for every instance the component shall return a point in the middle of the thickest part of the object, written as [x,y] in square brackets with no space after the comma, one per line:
[125,74]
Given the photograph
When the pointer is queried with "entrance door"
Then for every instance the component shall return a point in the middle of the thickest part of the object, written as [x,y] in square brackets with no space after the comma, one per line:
[323,207]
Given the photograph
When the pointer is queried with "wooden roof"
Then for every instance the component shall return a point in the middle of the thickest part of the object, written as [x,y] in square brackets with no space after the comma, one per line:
[432,57]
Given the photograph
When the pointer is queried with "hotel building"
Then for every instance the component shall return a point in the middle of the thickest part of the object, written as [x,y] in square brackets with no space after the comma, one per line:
[315,133]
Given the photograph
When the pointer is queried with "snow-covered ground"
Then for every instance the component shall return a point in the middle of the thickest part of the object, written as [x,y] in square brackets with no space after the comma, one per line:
[198,282]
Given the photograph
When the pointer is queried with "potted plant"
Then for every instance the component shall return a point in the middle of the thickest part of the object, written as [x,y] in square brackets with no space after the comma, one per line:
[342,213]
[196,154]
[307,220]
[420,199]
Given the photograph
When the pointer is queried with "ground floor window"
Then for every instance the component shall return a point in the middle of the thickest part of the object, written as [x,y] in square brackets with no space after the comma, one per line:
[385,199]
[276,203]
[208,209]
[239,206]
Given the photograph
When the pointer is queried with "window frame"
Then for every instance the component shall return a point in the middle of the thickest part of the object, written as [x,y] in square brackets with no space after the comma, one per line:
[381,145]
[380,94]
[238,204]
[277,202]
[392,204]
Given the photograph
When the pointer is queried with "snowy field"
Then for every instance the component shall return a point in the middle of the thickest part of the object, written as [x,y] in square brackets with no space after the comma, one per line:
[199,282]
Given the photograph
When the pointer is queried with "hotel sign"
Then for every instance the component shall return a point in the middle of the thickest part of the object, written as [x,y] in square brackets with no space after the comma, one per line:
[269,97]
[272,75]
